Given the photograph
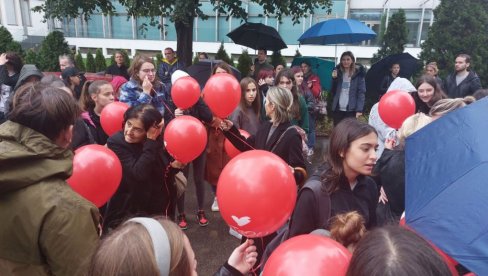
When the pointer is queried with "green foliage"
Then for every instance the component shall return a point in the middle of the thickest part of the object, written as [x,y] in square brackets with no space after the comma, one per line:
[182,12]
[244,63]
[79,63]
[459,27]
[382,31]
[90,63]
[222,54]
[159,59]
[100,63]
[395,38]
[31,58]
[5,39]
[52,47]
[297,53]
[195,59]
[277,58]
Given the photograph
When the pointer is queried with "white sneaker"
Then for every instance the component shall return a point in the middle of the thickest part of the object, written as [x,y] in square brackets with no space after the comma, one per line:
[215,205]
[234,233]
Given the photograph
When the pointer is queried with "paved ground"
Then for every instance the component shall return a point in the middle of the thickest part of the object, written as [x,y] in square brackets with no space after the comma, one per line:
[213,244]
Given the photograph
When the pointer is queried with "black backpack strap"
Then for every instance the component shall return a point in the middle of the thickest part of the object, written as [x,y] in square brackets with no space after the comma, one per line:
[89,133]
[322,198]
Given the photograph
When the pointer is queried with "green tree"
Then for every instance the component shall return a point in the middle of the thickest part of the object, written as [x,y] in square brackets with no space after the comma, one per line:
[395,38]
[100,63]
[31,57]
[381,32]
[277,58]
[7,42]
[244,63]
[182,13]
[52,47]
[90,63]
[196,59]
[459,27]
[79,63]
[222,54]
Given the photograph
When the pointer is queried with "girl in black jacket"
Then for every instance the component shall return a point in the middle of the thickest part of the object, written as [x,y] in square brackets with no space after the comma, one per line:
[10,66]
[147,187]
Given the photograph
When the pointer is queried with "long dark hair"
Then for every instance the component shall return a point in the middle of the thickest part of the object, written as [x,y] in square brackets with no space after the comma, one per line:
[15,60]
[438,93]
[295,108]
[347,131]
[256,105]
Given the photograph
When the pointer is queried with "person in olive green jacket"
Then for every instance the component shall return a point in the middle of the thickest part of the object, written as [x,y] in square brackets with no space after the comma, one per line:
[45,227]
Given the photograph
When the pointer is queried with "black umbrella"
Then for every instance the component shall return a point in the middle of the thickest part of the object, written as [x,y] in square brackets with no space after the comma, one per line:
[202,70]
[257,36]
[375,75]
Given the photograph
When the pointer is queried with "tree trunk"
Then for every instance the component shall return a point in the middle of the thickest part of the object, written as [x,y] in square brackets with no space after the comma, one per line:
[184,41]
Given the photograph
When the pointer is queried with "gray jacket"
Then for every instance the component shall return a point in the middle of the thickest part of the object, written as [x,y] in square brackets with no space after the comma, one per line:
[357,89]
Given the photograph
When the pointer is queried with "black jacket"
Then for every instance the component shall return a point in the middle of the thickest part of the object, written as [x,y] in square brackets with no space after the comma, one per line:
[88,130]
[390,171]
[363,199]
[385,84]
[289,148]
[466,88]
[147,187]
[227,270]
[357,90]
[115,70]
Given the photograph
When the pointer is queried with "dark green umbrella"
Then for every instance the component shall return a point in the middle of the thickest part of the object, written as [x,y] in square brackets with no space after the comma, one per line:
[320,67]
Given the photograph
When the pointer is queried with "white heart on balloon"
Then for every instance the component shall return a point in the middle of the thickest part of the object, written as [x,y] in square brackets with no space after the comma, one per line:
[242,220]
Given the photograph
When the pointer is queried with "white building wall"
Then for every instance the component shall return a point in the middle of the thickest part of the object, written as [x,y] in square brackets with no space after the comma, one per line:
[37,27]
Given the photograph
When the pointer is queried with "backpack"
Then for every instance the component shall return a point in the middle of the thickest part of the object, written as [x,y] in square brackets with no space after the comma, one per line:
[315,184]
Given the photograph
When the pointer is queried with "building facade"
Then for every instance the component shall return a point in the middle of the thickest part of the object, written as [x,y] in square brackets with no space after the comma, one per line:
[112,32]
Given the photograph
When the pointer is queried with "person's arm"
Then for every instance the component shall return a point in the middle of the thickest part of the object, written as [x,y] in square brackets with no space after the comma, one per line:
[236,118]
[130,96]
[316,86]
[302,219]
[384,85]
[80,135]
[236,139]
[361,95]
[475,85]
[241,261]
[138,168]
[201,111]
[69,237]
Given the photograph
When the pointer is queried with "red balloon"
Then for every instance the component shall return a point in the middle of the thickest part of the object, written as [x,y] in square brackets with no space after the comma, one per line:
[230,149]
[185,138]
[185,92]
[97,173]
[112,117]
[256,192]
[396,106]
[308,255]
[222,94]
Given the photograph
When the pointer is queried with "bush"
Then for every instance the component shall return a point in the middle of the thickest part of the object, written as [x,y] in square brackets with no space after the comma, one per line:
[244,63]
[100,63]
[90,63]
[52,47]
[79,63]
[222,55]
[31,58]
[277,59]
[159,59]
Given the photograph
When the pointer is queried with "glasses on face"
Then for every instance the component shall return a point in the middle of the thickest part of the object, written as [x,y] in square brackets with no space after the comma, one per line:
[147,71]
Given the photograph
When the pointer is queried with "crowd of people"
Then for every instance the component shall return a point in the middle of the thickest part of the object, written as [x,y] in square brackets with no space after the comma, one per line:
[48,229]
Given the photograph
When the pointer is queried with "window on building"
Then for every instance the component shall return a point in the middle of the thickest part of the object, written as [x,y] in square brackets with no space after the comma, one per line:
[10,12]
[95,26]
[206,30]
[25,10]
[147,31]
[121,26]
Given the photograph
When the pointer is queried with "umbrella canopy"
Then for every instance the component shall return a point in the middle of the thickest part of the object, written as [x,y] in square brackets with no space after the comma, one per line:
[446,197]
[202,70]
[320,67]
[375,75]
[337,31]
[257,36]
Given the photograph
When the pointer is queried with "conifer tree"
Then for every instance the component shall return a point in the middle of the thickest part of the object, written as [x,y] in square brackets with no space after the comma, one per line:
[395,37]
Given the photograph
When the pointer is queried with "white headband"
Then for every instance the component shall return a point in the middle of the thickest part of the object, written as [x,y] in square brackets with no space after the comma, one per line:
[162,250]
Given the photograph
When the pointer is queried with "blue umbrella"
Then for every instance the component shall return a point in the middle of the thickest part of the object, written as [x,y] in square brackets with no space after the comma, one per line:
[337,31]
[320,67]
[446,198]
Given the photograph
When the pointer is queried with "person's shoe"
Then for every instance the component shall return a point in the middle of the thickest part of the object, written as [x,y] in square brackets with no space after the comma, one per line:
[202,218]
[215,205]
[234,233]
[182,223]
